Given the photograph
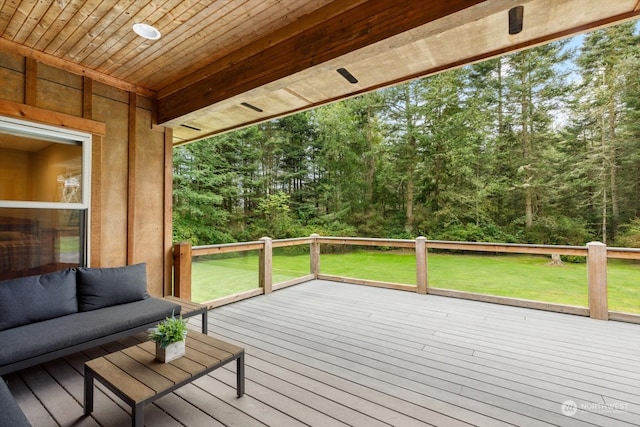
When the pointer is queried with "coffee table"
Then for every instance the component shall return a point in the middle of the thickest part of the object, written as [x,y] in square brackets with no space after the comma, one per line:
[136,377]
[189,309]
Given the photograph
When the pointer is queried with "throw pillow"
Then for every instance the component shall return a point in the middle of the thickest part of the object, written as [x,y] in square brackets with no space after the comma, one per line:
[34,298]
[104,287]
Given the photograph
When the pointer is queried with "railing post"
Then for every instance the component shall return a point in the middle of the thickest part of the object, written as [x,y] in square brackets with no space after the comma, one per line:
[314,256]
[182,270]
[266,261]
[421,265]
[597,279]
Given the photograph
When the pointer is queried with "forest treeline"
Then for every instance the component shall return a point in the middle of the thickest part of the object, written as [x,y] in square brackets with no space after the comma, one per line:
[539,146]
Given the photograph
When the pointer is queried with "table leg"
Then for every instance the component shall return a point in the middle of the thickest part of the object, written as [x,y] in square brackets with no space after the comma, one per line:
[137,418]
[240,374]
[88,391]
[204,322]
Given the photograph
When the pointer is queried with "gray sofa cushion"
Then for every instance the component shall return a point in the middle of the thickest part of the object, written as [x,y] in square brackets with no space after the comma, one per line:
[44,337]
[104,287]
[34,298]
[10,413]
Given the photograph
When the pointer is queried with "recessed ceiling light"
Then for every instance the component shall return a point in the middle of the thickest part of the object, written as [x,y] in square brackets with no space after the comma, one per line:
[347,75]
[146,31]
[190,127]
[252,107]
[516,18]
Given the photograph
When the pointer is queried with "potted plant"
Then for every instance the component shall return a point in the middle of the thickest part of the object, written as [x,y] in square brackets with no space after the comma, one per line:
[169,336]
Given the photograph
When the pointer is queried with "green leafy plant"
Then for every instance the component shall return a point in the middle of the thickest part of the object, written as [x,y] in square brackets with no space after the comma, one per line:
[169,331]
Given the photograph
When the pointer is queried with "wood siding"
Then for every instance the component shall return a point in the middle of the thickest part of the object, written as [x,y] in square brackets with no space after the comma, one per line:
[120,232]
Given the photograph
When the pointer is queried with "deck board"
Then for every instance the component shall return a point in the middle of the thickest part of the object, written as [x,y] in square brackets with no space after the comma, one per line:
[29,403]
[331,354]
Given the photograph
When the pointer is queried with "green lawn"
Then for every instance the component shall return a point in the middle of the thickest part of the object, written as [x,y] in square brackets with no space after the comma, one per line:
[518,276]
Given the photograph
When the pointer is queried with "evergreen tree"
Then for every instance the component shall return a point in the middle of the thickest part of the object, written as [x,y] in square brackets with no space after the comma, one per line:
[535,86]
[608,60]
[496,151]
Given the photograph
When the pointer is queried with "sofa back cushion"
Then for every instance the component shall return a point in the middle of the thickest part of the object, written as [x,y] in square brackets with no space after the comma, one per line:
[34,298]
[104,287]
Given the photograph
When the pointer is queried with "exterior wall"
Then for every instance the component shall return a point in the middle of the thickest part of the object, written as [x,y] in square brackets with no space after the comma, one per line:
[111,107]
[128,212]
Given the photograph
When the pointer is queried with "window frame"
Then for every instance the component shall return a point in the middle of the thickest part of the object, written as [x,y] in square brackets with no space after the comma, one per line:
[61,136]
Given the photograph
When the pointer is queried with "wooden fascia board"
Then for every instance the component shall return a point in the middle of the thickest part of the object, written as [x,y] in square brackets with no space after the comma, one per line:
[319,16]
[370,22]
[478,58]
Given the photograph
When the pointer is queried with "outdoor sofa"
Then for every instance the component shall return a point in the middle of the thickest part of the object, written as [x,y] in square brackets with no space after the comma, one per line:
[48,316]
[10,413]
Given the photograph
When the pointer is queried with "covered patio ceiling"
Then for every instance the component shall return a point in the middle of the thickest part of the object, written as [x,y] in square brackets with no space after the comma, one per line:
[222,65]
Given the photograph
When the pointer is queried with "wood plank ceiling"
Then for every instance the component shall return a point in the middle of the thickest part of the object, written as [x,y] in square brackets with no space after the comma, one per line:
[221,65]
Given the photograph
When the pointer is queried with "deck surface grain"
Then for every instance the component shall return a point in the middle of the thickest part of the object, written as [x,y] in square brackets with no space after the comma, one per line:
[332,354]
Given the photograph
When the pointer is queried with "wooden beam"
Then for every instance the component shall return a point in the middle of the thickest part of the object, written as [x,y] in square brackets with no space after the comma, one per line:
[421,265]
[445,67]
[370,22]
[292,282]
[219,302]
[515,302]
[314,256]
[597,278]
[319,16]
[95,257]
[31,82]
[227,248]
[266,265]
[365,282]
[168,202]
[40,115]
[624,317]
[87,97]
[131,186]
[367,241]
[182,264]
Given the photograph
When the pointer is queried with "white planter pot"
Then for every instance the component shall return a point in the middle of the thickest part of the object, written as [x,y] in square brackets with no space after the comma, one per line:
[171,352]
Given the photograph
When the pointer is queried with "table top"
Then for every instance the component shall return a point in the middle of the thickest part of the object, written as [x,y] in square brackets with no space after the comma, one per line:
[188,307]
[136,373]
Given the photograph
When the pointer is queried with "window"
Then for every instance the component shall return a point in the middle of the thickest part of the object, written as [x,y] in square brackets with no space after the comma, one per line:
[44,198]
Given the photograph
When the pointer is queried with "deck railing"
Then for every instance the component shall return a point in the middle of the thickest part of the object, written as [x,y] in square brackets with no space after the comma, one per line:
[596,254]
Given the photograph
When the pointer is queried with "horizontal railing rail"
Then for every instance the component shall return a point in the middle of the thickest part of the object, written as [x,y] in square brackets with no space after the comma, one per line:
[359,241]
[513,248]
[623,253]
[596,257]
[226,248]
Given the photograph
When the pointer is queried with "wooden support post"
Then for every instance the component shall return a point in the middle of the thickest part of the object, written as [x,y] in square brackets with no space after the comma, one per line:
[314,256]
[266,260]
[168,213]
[597,279]
[421,265]
[131,180]
[182,270]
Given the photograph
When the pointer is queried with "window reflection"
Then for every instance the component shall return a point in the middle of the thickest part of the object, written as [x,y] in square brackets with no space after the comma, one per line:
[38,170]
[36,241]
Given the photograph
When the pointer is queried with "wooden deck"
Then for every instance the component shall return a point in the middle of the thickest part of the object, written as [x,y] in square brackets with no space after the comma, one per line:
[329,354]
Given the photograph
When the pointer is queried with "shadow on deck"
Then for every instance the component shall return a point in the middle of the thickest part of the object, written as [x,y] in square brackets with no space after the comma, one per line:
[330,354]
